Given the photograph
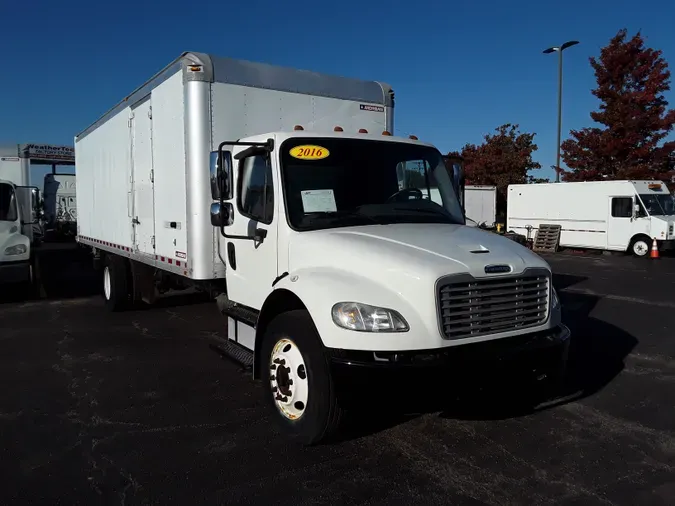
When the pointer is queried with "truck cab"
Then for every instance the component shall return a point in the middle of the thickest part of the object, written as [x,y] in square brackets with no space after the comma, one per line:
[337,257]
[652,216]
[17,208]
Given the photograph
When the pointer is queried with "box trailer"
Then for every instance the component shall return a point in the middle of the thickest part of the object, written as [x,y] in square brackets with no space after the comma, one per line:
[604,215]
[480,203]
[284,194]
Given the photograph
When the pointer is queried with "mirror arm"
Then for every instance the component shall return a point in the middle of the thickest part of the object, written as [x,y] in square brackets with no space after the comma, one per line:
[228,236]
[267,146]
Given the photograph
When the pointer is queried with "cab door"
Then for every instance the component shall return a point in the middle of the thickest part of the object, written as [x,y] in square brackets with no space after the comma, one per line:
[252,263]
[620,222]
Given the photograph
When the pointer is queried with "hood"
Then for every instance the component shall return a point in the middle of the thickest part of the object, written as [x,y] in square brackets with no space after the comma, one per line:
[665,219]
[437,249]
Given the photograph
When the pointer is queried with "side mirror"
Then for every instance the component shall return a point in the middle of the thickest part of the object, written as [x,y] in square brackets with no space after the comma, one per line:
[221,176]
[455,164]
[35,201]
[636,209]
[222,215]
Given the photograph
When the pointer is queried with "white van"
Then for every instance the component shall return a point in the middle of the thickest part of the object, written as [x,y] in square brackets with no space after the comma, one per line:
[606,215]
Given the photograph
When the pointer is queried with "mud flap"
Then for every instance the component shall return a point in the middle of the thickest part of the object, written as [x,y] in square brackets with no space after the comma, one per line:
[143,283]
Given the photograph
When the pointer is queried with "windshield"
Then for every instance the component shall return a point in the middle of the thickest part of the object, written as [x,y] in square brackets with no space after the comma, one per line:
[7,203]
[658,205]
[332,182]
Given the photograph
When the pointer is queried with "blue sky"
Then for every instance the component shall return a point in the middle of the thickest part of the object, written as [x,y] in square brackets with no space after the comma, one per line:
[459,69]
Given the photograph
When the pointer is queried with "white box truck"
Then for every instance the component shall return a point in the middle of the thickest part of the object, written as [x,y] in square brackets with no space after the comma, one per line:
[480,204]
[18,214]
[281,192]
[605,215]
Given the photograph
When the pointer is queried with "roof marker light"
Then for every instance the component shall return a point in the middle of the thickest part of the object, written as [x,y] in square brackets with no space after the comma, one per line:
[338,129]
[363,131]
[413,137]
[298,127]
[386,133]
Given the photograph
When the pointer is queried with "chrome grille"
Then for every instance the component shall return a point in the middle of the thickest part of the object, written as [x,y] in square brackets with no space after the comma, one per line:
[470,307]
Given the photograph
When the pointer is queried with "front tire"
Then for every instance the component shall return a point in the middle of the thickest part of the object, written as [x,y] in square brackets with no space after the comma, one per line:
[640,246]
[297,381]
[31,287]
[116,286]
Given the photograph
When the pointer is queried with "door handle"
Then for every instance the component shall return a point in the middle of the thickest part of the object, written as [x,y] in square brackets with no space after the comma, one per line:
[135,221]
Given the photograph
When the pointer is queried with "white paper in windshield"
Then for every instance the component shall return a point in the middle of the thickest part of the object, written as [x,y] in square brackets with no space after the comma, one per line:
[318,201]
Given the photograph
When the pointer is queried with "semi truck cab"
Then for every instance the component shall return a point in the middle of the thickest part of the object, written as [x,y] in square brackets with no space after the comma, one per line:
[337,257]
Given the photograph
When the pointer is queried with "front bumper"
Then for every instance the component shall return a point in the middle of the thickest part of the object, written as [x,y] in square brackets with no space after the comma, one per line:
[493,351]
[501,362]
[15,272]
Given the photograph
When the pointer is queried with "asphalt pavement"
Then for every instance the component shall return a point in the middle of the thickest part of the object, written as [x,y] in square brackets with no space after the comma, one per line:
[135,408]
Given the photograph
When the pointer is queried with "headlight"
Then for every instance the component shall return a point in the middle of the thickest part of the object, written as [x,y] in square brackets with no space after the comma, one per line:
[555,301]
[19,249]
[366,318]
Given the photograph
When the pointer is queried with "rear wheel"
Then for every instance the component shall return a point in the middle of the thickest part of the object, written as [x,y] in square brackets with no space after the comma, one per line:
[116,286]
[297,381]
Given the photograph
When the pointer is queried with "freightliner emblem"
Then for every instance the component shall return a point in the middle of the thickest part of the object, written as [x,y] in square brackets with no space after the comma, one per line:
[497,269]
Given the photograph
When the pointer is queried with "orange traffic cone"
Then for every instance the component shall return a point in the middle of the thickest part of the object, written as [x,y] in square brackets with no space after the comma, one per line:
[655,250]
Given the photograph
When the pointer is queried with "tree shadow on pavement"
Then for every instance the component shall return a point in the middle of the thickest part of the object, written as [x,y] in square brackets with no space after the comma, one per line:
[598,349]
[596,356]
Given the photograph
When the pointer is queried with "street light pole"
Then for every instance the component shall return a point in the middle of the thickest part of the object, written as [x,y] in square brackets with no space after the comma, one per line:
[560,50]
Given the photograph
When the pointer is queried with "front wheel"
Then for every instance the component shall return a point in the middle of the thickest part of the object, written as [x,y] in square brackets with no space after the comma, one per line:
[297,380]
[640,247]
[31,286]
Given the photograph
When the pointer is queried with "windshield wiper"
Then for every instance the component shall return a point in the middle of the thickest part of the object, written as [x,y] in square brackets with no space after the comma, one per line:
[342,214]
[424,211]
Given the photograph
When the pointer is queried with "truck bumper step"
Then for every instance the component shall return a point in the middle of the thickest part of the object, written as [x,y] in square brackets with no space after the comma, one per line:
[234,352]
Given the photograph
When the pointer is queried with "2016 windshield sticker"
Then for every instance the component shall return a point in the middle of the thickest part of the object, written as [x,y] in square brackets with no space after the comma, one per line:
[309,152]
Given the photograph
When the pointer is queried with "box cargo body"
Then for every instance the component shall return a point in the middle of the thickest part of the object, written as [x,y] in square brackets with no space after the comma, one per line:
[143,168]
[11,168]
[607,215]
[481,204]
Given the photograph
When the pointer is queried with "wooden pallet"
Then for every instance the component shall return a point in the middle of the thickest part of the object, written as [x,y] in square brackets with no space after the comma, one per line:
[547,238]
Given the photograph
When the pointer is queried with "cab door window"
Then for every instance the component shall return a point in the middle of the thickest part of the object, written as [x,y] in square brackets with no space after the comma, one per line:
[8,207]
[256,191]
[622,207]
